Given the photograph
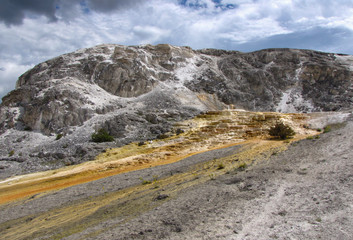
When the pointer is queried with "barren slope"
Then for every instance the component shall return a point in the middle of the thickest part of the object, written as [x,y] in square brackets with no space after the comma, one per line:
[205,195]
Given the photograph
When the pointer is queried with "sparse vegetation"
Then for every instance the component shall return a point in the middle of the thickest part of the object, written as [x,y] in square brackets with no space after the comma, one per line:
[179,131]
[102,136]
[327,129]
[155,178]
[162,136]
[58,136]
[282,213]
[11,153]
[220,166]
[242,166]
[145,182]
[282,131]
[27,128]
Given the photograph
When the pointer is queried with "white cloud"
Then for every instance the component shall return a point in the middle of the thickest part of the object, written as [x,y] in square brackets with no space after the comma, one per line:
[149,34]
[9,73]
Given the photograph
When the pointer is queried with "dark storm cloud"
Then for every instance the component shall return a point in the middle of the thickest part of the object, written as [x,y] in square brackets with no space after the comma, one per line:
[13,11]
[111,5]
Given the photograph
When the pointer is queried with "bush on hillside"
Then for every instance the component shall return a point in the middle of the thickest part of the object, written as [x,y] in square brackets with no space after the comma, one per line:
[327,129]
[102,136]
[59,136]
[282,131]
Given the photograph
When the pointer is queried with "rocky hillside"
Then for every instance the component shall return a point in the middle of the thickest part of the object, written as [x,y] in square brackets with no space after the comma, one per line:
[73,88]
[138,92]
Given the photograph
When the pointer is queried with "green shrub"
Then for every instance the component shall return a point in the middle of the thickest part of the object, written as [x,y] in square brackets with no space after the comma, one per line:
[11,153]
[327,129]
[220,166]
[179,131]
[58,136]
[242,166]
[212,176]
[163,136]
[27,128]
[102,136]
[281,131]
[145,182]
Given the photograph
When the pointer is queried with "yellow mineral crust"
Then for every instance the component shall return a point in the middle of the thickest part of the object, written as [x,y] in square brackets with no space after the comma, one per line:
[212,130]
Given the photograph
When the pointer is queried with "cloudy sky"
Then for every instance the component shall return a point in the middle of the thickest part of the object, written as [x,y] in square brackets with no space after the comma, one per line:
[32,31]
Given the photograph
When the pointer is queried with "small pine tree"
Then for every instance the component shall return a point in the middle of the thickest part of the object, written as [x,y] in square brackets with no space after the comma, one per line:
[281,131]
[102,136]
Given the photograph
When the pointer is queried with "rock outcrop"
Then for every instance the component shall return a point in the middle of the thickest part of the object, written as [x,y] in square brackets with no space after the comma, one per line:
[73,88]
[138,92]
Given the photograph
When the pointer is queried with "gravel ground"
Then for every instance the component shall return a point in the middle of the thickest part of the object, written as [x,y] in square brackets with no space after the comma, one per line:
[105,185]
[305,192]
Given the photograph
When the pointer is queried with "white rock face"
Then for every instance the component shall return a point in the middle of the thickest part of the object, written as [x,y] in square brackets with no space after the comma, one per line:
[292,101]
[69,90]
[345,60]
[138,92]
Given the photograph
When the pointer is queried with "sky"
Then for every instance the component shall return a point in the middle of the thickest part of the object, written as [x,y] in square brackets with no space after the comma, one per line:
[33,31]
